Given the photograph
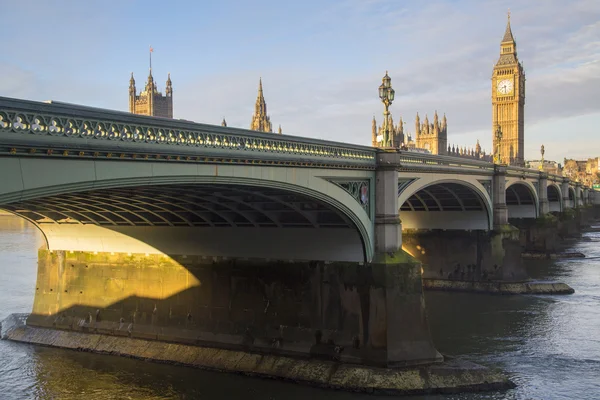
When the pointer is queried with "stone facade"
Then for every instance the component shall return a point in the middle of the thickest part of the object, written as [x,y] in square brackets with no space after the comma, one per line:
[432,136]
[508,102]
[150,101]
[361,314]
[584,171]
[550,167]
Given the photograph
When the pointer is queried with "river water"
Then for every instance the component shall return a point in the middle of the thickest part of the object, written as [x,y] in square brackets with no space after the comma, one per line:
[548,345]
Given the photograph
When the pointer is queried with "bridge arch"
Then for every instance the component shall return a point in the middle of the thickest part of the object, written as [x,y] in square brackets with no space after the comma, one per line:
[445,204]
[572,197]
[274,214]
[580,200]
[522,200]
[555,201]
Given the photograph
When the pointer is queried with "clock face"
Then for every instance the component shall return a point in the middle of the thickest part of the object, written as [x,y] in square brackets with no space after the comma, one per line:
[505,86]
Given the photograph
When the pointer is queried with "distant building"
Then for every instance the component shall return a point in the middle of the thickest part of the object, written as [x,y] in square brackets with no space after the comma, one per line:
[430,138]
[150,101]
[584,171]
[550,167]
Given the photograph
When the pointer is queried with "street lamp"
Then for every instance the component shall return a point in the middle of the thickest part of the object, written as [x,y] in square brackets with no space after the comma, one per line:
[386,94]
[542,164]
[498,158]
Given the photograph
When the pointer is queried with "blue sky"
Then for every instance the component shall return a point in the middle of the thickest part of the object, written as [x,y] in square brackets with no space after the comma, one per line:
[321,62]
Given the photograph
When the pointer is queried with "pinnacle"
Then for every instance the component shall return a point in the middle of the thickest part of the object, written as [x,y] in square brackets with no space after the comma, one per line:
[508,36]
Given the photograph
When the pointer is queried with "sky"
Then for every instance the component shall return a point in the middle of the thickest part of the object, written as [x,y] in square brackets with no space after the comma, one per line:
[321,62]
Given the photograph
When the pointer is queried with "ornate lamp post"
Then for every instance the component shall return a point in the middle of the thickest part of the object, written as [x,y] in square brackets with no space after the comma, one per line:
[542,164]
[498,158]
[386,94]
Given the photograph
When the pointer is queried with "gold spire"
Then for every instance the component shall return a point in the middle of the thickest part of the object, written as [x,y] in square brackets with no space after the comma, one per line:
[260,119]
[508,36]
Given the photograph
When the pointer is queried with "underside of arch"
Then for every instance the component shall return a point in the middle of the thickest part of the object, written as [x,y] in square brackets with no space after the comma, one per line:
[446,205]
[554,199]
[520,201]
[231,220]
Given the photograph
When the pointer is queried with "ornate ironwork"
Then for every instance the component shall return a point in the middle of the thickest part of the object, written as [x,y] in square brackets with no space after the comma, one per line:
[68,121]
[536,185]
[403,184]
[359,190]
[487,184]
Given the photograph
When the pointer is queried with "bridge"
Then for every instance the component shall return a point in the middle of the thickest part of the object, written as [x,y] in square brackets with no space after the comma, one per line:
[172,230]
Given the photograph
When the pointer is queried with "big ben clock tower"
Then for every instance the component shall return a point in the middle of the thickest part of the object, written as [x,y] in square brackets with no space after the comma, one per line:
[508,103]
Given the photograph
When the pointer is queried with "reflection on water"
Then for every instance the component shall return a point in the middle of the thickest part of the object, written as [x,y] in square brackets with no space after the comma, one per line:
[549,345]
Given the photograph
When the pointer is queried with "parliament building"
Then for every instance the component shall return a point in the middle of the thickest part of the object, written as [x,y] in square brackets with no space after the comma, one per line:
[508,105]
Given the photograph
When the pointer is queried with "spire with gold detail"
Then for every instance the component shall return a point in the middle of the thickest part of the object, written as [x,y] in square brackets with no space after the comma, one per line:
[508,36]
[508,47]
[223,123]
[279,130]
[260,120]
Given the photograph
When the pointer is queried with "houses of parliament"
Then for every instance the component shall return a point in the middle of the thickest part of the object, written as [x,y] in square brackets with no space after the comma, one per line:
[508,103]
[153,103]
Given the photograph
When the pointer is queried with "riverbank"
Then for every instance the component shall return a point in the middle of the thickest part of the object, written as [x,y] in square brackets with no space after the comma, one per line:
[451,376]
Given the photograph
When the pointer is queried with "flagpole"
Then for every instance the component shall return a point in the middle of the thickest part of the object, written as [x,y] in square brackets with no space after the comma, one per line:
[150,58]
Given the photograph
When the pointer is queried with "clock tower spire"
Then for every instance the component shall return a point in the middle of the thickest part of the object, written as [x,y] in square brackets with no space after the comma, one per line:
[508,101]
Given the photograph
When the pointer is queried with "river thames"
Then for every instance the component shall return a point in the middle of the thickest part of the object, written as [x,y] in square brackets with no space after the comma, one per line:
[548,345]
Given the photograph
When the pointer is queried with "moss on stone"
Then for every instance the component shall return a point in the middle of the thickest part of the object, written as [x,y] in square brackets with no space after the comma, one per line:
[546,221]
[398,257]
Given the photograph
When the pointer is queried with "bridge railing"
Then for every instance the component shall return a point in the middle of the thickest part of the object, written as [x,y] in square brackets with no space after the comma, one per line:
[419,161]
[65,127]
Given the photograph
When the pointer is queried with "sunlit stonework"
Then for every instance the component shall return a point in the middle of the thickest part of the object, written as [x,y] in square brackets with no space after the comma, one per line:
[260,120]
[150,101]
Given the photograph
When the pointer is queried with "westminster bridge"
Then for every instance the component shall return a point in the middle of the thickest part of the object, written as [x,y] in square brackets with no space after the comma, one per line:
[183,232]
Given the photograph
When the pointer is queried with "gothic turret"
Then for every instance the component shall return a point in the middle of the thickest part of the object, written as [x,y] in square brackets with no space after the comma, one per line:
[374,132]
[132,85]
[150,101]
[132,92]
[417,125]
[260,120]
[169,87]
[223,123]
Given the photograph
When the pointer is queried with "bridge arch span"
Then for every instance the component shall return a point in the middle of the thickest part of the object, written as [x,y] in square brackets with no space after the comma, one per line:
[572,197]
[580,200]
[445,204]
[262,212]
[555,201]
[522,200]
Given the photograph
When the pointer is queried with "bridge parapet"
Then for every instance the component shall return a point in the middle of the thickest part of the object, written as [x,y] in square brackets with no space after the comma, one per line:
[84,131]
[410,161]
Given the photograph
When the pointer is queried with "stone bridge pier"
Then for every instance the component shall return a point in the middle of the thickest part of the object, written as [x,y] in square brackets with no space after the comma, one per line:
[490,251]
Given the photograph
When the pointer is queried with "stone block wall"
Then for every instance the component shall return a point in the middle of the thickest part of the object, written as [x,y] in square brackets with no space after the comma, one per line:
[337,311]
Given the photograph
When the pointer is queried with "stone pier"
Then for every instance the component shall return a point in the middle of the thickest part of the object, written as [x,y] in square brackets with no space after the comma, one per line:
[363,314]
